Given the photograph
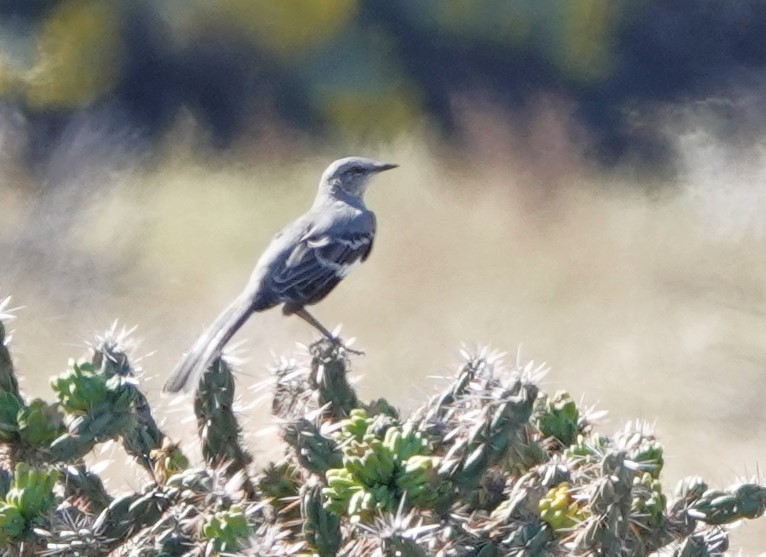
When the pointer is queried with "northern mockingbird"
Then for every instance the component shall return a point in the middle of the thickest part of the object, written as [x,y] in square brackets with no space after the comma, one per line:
[301,265]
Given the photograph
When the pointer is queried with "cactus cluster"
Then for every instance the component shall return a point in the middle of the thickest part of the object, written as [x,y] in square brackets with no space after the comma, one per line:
[382,464]
[490,466]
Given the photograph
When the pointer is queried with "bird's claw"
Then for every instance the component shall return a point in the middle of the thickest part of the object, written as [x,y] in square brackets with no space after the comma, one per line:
[351,350]
[337,342]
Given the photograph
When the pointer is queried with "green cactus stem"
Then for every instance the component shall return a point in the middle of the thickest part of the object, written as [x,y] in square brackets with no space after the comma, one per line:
[329,369]
[315,452]
[321,528]
[8,381]
[217,425]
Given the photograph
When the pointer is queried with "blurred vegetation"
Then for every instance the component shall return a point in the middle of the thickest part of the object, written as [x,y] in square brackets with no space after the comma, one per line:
[372,69]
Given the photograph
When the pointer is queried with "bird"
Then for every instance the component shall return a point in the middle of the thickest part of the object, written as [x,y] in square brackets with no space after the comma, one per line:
[301,265]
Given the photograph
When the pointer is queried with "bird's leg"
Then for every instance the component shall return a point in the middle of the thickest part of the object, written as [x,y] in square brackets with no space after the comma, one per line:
[311,320]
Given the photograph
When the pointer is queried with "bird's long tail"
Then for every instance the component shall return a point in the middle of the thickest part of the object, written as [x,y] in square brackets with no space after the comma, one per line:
[209,345]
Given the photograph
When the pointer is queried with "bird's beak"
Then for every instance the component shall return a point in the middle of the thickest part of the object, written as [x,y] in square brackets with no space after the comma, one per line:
[380,167]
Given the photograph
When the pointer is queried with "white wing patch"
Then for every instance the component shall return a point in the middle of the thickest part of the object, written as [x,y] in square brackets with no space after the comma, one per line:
[350,243]
[340,269]
[320,242]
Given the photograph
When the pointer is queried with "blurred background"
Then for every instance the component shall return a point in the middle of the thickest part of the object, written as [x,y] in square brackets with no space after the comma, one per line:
[581,183]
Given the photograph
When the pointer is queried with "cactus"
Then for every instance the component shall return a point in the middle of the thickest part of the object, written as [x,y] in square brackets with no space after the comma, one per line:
[10,406]
[321,527]
[216,423]
[491,466]
[328,379]
[559,509]
[39,423]
[558,418]
[226,530]
[8,381]
[31,490]
[314,451]
[80,484]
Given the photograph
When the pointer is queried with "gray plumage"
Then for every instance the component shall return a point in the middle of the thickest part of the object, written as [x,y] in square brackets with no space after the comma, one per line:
[301,265]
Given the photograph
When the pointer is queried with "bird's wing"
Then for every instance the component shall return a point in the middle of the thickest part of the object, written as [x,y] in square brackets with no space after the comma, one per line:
[317,263]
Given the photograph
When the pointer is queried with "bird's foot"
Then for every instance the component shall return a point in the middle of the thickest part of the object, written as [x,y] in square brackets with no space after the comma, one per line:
[337,344]
[349,350]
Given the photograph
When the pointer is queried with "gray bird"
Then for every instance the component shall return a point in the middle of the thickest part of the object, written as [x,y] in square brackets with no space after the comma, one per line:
[301,265]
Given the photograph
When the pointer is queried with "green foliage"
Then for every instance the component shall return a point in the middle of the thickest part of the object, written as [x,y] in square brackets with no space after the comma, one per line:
[320,527]
[101,402]
[216,423]
[279,484]
[558,418]
[39,423]
[82,388]
[649,501]
[29,496]
[379,471]
[31,490]
[227,530]
[10,405]
[491,466]
[12,523]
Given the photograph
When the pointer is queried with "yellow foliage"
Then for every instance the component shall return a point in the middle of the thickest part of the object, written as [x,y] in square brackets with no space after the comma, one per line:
[559,509]
[288,27]
[9,79]
[77,55]
[371,114]
[578,34]
[588,26]
[502,22]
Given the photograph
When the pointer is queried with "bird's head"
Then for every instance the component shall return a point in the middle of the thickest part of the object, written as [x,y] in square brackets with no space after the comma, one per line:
[351,175]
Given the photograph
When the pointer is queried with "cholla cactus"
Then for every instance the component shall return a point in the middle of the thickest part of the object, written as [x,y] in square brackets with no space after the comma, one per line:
[559,509]
[226,530]
[328,379]
[8,381]
[39,423]
[31,490]
[83,486]
[10,406]
[29,496]
[101,400]
[558,418]
[321,527]
[492,466]
[217,424]
[378,472]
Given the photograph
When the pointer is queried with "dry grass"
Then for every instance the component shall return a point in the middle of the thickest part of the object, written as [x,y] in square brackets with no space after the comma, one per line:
[651,306]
